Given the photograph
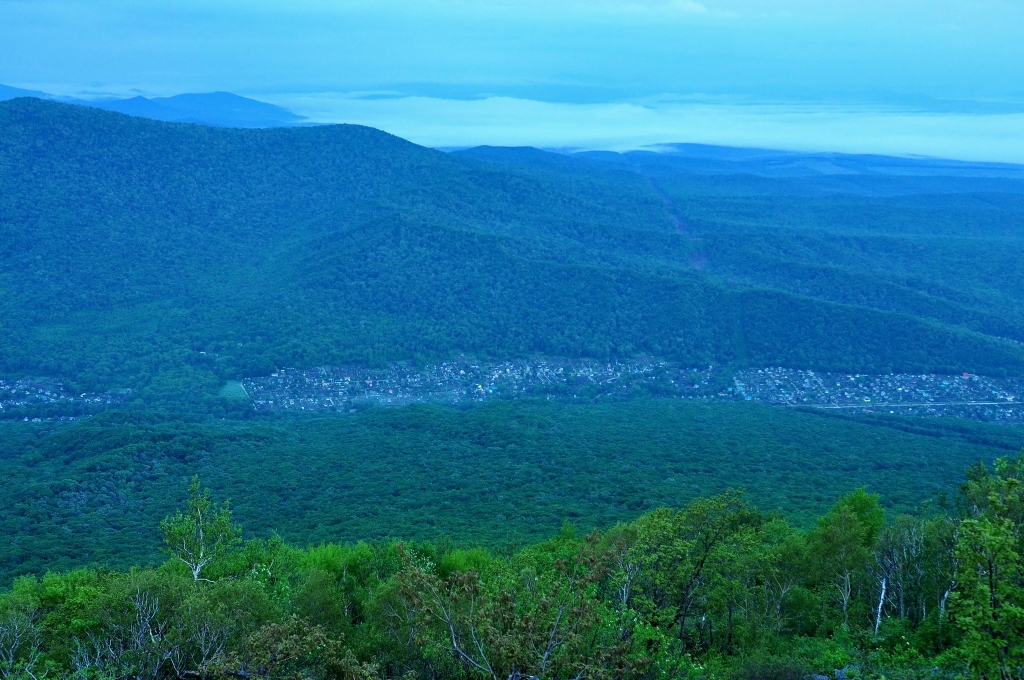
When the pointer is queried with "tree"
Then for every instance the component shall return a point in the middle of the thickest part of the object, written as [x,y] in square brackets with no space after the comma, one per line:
[202,534]
[842,541]
[535,615]
[294,650]
[135,642]
[19,644]
[899,569]
[989,605]
[679,554]
[942,566]
[783,567]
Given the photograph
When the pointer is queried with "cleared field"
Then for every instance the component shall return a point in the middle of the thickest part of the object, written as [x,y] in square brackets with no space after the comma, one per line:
[233,389]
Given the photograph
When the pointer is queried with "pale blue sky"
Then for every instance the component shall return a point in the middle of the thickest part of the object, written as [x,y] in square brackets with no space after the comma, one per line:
[939,77]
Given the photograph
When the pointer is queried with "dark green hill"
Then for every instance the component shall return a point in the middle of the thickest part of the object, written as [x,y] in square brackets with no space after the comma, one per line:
[168,257]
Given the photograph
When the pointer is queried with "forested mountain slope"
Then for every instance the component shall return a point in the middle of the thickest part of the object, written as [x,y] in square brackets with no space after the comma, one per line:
[168,257]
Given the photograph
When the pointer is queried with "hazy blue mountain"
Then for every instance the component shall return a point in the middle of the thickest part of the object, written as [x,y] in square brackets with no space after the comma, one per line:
[8,92]
[221,109]
[776,163]
[795,173]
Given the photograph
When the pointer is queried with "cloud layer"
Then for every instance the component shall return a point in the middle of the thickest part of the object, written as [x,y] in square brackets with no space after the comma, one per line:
[808,127]
[602,62]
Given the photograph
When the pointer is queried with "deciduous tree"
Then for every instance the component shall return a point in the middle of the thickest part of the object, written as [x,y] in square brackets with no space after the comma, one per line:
[201,534]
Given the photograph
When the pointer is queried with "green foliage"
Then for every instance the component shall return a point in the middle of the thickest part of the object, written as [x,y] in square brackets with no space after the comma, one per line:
[202,535]
[842,543]
[715,589]
[989,603]
[172,258]
[292,650]
[501,473]
[535,614]
[683,557]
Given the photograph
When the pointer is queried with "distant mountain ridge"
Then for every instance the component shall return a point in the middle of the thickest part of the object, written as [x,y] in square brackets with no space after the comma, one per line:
[8,92]
[713,159]
[220,109]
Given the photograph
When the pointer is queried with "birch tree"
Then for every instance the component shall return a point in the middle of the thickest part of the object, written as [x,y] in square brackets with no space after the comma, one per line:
[842,541]
[202,534]
[19,644]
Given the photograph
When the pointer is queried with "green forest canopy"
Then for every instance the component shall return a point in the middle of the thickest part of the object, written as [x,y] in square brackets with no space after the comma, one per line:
[170,257]
[497,474]
[716,589]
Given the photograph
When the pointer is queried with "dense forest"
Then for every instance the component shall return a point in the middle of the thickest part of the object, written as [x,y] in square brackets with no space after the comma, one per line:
[168,258]
[714,589]
[498,474]
[144,265]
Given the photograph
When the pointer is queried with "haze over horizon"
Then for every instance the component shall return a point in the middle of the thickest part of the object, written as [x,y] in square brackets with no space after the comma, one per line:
[903,78]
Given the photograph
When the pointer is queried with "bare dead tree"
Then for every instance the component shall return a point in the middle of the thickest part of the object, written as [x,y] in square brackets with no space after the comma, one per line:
[443,609]
[949,565]
[777,586]
[899,568]
[886,569]
[135,648]
[627,571]
[200,645]
[19,644]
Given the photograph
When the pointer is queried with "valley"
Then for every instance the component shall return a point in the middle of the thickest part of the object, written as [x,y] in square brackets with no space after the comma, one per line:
[168,258]
[769,402]
[345,388]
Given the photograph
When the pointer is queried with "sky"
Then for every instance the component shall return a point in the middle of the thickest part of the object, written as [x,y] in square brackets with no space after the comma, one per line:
[927,77]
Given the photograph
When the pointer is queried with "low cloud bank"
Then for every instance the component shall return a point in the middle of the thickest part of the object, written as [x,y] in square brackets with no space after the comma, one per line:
[806,127]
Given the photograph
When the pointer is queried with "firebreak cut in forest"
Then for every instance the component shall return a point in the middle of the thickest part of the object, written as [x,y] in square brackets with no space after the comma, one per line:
[146,266]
